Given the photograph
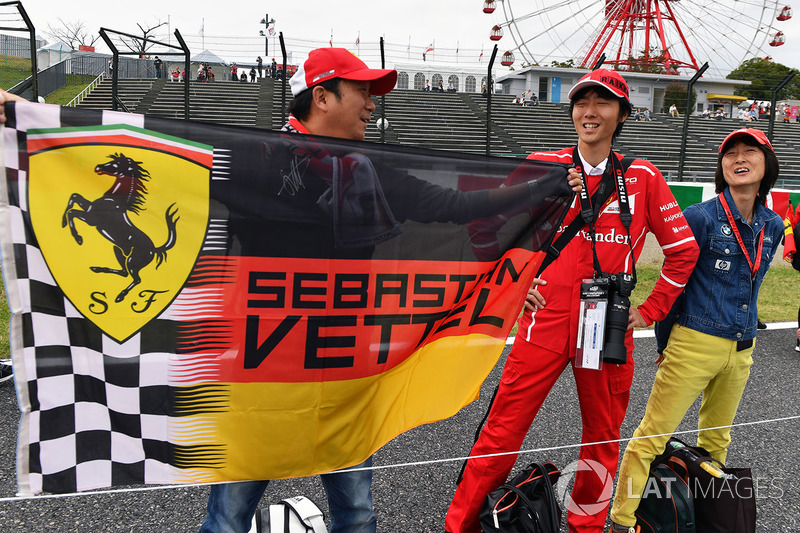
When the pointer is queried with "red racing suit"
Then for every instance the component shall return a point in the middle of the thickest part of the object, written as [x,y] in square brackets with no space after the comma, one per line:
[546,343]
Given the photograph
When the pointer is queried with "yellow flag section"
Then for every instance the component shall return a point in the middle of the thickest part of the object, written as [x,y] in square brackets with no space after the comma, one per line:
[287,418]
[120,214]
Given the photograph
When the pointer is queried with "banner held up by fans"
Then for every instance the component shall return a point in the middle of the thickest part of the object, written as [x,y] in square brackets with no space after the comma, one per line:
[196,303]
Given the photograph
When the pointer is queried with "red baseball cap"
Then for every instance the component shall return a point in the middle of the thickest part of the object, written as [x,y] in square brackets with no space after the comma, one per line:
[328,63]
[610,79]
[756,134]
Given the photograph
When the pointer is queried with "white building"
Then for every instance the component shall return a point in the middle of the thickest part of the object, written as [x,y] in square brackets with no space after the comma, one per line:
[464,78]
[646,90]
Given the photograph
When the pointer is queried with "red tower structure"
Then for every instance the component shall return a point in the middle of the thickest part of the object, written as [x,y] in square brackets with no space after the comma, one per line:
[634,30]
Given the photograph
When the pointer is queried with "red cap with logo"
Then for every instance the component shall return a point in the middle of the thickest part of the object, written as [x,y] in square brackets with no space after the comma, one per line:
[759,136]
[328,63]
[609,79]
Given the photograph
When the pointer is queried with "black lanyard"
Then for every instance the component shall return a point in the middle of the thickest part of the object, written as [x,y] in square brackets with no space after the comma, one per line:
[613,173]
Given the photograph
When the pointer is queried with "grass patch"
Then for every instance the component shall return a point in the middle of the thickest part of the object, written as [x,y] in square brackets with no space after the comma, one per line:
[75,84]
[13,70]
[5,317]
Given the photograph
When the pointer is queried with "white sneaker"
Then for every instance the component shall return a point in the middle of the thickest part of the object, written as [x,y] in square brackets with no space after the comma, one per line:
[6,372]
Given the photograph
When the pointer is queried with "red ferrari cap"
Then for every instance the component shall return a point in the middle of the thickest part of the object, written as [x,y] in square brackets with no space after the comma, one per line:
[328,63]
[610,79]
[756,134]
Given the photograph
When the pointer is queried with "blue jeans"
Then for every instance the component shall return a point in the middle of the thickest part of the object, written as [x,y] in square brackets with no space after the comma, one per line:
[231,506]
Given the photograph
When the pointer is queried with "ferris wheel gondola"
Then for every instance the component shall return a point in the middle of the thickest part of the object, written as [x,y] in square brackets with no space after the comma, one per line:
[778,39]
[654,36]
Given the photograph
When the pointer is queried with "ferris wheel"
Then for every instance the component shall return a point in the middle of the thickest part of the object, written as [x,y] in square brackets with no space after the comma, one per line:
[651,35]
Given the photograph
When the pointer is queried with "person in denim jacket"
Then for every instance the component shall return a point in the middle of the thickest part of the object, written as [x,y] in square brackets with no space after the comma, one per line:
[713,324]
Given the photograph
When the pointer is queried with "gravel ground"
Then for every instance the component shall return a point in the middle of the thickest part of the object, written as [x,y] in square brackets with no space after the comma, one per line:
[415,498]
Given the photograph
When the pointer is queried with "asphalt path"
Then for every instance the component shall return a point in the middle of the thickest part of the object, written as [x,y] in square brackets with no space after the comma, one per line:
[414,497]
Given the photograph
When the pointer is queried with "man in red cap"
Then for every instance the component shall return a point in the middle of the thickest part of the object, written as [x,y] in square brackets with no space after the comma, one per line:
[613,218]
[331,92]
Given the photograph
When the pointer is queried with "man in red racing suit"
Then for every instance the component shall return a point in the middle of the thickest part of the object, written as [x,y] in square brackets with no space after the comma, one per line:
[546,340]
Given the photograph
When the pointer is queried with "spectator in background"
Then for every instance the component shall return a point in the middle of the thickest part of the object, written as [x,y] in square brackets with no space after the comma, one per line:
[647,114]
[243,77]
[176,74]
[234,72]
[791,244]
[159,65]
[673,111]
[274,68]
[253,75]
[427,88]
[259,62]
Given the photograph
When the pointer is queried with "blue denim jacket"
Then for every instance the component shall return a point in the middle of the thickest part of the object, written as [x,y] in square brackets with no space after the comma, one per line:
[720,296]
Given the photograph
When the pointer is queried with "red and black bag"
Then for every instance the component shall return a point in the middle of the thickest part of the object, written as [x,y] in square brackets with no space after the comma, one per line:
[526,504]
[724,498]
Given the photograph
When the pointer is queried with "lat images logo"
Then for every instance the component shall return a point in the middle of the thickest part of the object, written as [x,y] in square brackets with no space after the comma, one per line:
[119,223]
[591,467]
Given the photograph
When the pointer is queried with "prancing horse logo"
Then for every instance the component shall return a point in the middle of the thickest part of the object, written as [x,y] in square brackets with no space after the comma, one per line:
[133,248]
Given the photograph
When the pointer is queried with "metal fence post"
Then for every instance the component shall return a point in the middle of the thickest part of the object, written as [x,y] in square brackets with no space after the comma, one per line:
[686,118]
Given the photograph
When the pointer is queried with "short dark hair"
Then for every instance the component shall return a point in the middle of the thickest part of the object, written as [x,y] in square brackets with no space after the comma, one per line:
[625,107]
[301,104]
[771,167]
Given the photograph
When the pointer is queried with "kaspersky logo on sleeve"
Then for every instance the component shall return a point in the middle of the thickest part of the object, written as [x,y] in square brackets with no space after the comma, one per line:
[120,215]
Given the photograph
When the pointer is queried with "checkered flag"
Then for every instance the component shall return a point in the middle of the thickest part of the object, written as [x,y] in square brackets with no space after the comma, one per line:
[96,412]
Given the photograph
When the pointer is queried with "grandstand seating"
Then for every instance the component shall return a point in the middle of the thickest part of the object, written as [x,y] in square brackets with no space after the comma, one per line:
[457,121]
[130,92]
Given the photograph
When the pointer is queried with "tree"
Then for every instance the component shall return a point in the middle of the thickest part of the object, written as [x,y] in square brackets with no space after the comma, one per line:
[73,33]
[563,64]
[651,61]
[140,45]
[675,93]
[764,75]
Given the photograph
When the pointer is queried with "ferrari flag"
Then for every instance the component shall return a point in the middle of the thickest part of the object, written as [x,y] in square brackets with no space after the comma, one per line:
[197,303]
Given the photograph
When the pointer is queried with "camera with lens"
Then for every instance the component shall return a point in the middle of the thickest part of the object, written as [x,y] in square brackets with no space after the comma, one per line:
[620,287]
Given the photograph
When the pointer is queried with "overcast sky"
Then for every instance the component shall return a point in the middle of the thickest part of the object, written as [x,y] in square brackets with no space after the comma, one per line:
[450,24]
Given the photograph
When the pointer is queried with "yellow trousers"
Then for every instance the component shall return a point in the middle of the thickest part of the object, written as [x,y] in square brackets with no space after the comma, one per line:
[694,363]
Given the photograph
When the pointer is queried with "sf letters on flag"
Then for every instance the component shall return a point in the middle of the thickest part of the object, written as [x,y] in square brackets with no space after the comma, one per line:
[198,303]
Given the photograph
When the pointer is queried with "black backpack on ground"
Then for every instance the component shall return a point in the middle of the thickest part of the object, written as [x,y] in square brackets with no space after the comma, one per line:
[667,504]
[526,504]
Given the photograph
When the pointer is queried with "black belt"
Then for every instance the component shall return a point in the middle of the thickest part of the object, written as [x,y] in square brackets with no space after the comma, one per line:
[743,345]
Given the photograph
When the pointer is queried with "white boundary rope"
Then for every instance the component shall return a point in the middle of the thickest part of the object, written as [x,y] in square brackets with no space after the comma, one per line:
[637,334]
[403,465]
